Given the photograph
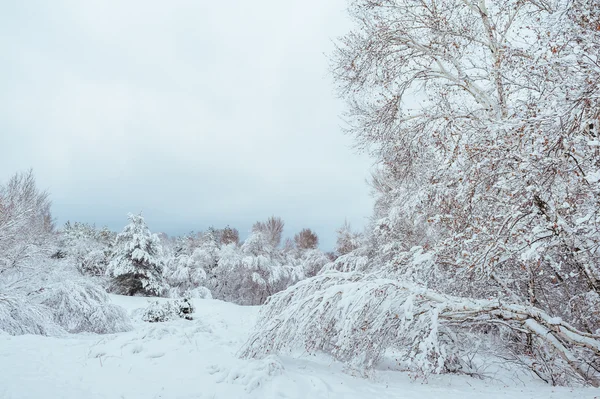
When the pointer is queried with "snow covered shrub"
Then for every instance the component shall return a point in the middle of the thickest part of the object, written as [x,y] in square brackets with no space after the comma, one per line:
[41,293]
[185,273]
[57,303]
[158,312]
[87,246]
[353,319]
[94,263]
[81,306]
[18,316]
[136,264]
[357,260]
[312,261]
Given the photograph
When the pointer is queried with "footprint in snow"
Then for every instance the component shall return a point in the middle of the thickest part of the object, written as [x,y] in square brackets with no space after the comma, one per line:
[251,374]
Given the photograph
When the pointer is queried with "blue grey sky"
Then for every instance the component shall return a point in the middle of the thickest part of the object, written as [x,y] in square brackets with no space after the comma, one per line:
[195,112]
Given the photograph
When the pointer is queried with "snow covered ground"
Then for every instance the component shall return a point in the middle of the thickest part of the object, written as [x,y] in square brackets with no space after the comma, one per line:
[197,359]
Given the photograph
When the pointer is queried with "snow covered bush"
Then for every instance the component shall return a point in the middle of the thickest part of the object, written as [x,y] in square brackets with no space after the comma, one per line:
[81,306]
[136,264]
[184,273]
[158,312]
[87,246]
[51,299]
[312,261]
[357,260]
[18,316]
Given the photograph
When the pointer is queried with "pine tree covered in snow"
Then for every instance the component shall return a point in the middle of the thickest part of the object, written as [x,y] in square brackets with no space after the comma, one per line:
[136,264]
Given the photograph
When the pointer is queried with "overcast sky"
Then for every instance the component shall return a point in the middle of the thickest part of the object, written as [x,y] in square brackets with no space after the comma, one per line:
[195,112]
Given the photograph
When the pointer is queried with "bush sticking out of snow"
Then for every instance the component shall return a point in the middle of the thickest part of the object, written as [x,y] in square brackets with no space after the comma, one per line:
[158,312]
[82,306]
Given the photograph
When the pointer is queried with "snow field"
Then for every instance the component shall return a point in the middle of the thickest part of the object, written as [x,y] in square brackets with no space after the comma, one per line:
[198,359]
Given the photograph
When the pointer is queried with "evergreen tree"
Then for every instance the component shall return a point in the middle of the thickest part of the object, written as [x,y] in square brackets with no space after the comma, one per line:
[136,263]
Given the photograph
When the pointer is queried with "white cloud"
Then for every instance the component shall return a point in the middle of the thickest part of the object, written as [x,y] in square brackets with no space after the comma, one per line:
[197,112]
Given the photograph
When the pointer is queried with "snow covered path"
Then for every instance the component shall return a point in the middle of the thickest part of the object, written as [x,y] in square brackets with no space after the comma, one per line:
[196,359]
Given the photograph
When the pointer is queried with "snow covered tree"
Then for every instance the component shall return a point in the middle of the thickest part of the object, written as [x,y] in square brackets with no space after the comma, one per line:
[249,274]
[136,264]
[306,239]
[347,240]
[186,275]
[484,119]
[357,318]
[230,236]
[42,293]
[89,247]
[272,230]
[26,224]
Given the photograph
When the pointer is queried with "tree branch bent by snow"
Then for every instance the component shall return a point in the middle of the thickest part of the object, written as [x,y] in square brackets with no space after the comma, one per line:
[356,318]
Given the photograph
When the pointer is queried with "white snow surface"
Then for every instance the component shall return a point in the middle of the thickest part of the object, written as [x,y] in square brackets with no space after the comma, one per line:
[198,359]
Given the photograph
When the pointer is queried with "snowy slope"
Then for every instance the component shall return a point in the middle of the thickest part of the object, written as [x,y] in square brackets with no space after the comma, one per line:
[197,359]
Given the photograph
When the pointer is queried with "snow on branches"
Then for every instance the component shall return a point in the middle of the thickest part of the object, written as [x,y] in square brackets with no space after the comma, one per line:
[81,306]
[483,117]
[158,312]
[136,264]
[42,292]
[357,318]
[213,263]
[250,274]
